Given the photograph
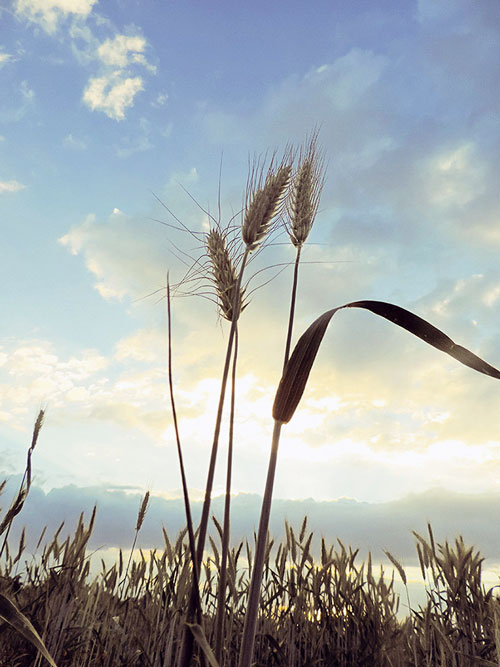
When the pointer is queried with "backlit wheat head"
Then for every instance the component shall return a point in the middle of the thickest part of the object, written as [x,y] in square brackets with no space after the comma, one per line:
[224,274]
[264,202]
[306,192]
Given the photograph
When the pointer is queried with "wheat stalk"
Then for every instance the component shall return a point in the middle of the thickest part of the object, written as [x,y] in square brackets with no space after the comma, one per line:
[302,209]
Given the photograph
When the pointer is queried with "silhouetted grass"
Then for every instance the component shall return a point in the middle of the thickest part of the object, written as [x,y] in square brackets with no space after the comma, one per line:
[259,603]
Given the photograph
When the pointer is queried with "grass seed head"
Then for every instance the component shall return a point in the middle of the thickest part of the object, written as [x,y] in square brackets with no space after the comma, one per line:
[224,273]
[306,192]
[142,511]
[264,202]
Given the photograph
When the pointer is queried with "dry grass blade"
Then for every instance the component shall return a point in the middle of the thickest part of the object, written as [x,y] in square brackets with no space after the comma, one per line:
[298,368]
[10,613]
[199,635]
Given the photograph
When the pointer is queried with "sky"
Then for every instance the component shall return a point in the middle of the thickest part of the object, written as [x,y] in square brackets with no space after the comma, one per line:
[115,115]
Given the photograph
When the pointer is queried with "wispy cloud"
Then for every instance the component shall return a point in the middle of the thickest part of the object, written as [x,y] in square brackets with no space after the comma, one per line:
[4,59]
[11,186]
[21,103]
[48,14]
[160,101]
[112,93]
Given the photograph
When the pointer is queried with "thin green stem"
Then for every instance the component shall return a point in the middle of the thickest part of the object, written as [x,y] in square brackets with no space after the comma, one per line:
[250,627]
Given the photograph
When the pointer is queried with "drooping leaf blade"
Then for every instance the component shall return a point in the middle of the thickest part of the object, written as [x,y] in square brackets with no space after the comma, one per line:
[10,613]
[298,368]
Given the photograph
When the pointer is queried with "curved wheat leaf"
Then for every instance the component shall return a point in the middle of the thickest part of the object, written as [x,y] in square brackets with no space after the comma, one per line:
[10,613]
[296,373]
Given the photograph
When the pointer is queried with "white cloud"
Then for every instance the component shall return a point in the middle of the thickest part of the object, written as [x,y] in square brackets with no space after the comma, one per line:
[114,90]
[161,100]
[33,372]
[27,92]
[112,93]
[145,346]
[125,263]
[48,13]
[351,76]
[456,176]
[124,50]
[11,186]
[4,59]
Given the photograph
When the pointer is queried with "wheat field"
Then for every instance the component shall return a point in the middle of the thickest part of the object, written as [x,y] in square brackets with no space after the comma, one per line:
[201,600]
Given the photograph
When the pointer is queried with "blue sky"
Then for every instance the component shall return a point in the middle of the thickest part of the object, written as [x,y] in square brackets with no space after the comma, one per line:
[107,104]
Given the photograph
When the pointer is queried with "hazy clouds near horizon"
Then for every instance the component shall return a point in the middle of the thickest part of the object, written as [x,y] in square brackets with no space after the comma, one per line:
[370,526]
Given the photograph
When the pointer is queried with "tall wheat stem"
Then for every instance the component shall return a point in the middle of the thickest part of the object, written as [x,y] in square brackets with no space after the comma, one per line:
[263,202]
[221,602]
[247,644]
[292,306]
[303,207]
[213,458]
[187,504]
[188,640]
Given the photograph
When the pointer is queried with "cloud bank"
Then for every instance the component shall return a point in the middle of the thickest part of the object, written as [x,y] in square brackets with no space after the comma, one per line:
[371,527]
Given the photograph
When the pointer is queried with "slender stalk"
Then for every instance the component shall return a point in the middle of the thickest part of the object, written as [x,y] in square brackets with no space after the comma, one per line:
[188,640]
[187,504]
[247,644]
[263,202]
[292,306]
[140,519]
[18,502]
[221,602]
[211,470]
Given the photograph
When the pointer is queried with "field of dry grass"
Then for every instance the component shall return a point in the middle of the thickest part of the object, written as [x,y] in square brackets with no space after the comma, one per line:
[334,611]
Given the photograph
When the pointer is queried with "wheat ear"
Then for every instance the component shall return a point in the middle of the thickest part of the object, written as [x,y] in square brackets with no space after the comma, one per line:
[302,208]
[224,274]
[306,191]
[263,202]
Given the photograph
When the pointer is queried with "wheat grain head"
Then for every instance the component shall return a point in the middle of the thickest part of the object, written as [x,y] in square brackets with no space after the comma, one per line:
[264,199]
[224,274]
[306,191]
